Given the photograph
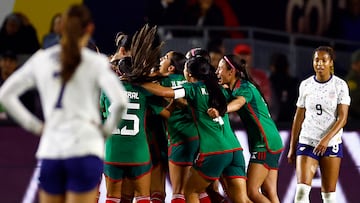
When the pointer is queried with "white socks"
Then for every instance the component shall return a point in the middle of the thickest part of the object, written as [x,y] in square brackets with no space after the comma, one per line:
[329,197]
[302,193]
[112,200]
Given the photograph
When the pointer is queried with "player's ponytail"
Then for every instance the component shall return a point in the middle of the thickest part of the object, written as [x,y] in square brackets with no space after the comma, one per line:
[75,21]
[201,69]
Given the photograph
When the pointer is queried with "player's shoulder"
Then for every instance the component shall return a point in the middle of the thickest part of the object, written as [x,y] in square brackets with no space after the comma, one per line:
[338,80]
[93,56]
[94,62]
[309,79]
[307,82]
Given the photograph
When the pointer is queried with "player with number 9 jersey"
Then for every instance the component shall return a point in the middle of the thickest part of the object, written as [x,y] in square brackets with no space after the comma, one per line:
[321,112]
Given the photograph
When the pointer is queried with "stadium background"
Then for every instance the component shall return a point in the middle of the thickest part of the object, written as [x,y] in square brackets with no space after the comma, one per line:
[17,147]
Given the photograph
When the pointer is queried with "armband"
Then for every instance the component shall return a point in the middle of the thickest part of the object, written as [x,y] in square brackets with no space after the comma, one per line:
[179,92]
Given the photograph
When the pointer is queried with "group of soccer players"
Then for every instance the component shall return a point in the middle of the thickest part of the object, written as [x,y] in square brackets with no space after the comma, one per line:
[169,115]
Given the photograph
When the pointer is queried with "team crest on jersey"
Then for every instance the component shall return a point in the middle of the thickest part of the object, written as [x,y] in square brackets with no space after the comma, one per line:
[332,94]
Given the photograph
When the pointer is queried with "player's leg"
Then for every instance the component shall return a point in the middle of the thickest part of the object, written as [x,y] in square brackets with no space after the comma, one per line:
[181,157]
[140,177]
[178,178]
[269,187]
[157,188]
[330,168]
[234,177]
[113,181]
[257,174]
[45,197]
[84,197]
[213,191]
[306,167]
[127,191]
[195,186]
[237,190]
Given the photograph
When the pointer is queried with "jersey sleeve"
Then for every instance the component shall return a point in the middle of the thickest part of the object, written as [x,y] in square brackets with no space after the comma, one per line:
[301,99]
[244,92]
[344,96]
[227,94]
[19,82]
[104,105]
[189,90]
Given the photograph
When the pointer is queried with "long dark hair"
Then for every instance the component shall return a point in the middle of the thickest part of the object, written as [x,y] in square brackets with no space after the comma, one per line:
[145,54]
[198,52]
[201,69]
[75,21]
[122,40]
[125,66]
[178,61]
[239,64]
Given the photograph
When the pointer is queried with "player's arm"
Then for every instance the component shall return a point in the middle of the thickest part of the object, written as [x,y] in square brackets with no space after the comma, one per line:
[166,112]
[159,90]
[236,104]
[19,82]
[295,132]
[342,110]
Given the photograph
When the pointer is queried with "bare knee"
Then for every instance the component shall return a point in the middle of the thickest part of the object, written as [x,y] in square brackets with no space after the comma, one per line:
[270,193]
[253,192]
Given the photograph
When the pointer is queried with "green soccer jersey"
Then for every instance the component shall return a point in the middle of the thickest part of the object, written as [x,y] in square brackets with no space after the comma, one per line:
[128,144]
[180,125]
[262,132]
[227,126]
[104,106]
[213,138]
[155,126]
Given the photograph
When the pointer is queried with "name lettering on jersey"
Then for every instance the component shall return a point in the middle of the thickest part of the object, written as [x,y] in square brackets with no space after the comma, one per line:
[203,91]
[177,83]
[133,95]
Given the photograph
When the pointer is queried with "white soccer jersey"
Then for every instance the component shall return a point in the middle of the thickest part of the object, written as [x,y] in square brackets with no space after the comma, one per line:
[72,116]
[320,99]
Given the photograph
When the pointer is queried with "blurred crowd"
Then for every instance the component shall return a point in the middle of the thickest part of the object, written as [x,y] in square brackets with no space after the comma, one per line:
[18,40]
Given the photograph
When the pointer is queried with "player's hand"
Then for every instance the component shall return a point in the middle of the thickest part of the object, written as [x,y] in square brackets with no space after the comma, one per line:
[213,113]
[291,157]
[320,148]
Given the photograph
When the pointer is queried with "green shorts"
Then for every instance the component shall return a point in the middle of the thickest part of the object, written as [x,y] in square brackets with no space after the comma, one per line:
[184,153]
[269,160]
[229,164]
[119,172]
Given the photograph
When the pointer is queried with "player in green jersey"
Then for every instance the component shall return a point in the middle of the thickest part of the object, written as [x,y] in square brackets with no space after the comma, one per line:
[123,44]
[181,129]
[127,153]
[264,139]
[219,153]
[213,188]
